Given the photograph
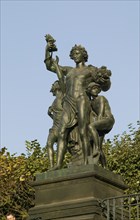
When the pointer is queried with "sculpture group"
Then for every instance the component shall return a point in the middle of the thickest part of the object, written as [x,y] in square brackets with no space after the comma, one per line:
[81,117]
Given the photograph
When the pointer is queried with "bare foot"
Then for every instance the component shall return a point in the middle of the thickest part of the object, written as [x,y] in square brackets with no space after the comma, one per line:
[57,167]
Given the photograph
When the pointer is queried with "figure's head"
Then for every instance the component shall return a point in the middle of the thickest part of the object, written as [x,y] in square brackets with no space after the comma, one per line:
[10,216]
[94,89]
[55,87]
[78,54]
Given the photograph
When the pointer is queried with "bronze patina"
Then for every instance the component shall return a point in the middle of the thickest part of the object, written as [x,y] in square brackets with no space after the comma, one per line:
[80,116]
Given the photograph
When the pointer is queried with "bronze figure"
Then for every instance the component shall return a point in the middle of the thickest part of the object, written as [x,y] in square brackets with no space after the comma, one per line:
[79,101]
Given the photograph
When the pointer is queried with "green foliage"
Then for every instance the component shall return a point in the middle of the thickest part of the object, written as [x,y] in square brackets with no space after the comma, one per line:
[13,187]
[123,157]
[16,172]
[37,158]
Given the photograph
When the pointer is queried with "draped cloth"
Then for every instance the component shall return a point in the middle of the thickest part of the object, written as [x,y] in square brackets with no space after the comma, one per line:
[69,116]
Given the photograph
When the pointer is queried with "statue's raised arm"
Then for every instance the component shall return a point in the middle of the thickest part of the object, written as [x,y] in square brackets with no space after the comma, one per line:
[50,48]
[49,61]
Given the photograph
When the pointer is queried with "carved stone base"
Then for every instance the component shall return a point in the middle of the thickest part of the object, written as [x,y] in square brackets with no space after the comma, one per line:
[74,193]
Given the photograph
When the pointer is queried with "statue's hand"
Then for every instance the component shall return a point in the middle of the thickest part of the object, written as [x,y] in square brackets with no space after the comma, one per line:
[51,47]
[56,61]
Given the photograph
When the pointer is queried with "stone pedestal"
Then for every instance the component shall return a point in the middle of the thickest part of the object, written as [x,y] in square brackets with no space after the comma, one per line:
[74,193]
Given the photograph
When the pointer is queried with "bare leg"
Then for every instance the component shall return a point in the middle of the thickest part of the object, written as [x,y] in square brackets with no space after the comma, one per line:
[61,148]
[49,145]
[83,120]
[95,137]
[104,124]
[102,155]
[51,156]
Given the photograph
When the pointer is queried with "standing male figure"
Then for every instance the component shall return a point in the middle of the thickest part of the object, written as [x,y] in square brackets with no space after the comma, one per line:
[76,103]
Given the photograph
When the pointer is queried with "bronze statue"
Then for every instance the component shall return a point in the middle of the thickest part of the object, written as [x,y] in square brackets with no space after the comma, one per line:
[101,120]
[76,105]
[55,112]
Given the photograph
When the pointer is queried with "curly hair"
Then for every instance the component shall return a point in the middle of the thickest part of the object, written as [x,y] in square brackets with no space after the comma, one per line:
[81,49]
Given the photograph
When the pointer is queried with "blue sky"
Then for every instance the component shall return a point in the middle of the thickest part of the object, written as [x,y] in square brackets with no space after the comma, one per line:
[109,30]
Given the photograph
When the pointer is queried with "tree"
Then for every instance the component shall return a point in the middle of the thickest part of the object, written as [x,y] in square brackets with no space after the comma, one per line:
[123,156]
[17,172]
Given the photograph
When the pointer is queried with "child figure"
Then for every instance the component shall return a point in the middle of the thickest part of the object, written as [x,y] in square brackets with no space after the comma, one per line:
[55,112]
[101,120]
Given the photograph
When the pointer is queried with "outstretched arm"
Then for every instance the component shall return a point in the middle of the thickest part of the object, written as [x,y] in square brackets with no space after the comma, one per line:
[48,57]
[49,61]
